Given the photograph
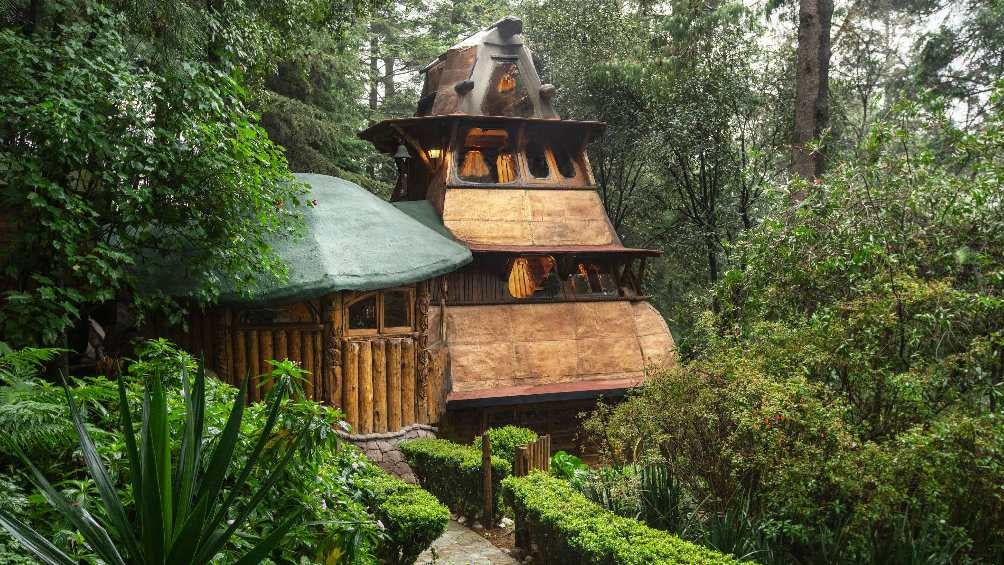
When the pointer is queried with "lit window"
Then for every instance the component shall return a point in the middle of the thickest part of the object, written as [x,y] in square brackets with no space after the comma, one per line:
[506,95]
[534,277]
[487,156]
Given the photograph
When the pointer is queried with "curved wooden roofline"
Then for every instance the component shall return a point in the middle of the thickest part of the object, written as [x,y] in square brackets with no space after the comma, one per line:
[526,394]
[561,249]
[385,136]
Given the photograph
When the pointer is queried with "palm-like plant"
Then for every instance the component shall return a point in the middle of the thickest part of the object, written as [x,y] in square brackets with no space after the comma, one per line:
[182,514]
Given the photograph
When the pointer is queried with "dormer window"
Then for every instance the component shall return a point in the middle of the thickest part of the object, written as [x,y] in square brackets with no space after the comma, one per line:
[522,156]
[506,95]
[564,159]
[487,156]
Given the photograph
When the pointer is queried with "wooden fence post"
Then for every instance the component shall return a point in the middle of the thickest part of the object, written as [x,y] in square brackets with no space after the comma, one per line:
[533,456]
[486,474]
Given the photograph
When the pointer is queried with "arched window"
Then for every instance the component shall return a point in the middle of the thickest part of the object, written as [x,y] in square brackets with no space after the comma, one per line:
[487,156]
[506,95]
[382,312]
[564,159]
[536,159]
[361,314]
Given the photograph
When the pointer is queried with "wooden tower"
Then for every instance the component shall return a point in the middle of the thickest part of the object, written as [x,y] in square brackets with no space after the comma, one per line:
[551,311]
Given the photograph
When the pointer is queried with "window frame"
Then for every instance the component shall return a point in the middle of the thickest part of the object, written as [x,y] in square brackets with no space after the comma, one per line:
[381,329]
[410,292]
[514,138]
[519,83]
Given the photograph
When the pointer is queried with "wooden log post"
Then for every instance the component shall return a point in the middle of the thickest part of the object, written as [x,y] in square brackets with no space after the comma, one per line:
[423,353]
[307,352]
[327,377]
[380,386]
[295,347]
[408,382]
[365,388]
[318,339]
[224,344]
[267,354]
[240,358]
[486,477]
[350,400]
[254,365]
[337,386]
[281,345]
[394,386]
[522,455]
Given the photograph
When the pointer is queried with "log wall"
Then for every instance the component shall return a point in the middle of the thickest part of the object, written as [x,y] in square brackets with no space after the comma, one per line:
[382,383]
[379,393]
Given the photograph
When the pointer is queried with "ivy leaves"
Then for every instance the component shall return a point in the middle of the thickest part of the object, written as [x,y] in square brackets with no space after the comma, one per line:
[112,167]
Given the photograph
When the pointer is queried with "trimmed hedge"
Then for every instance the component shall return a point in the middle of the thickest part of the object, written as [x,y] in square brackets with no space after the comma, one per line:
[506,440]
[452,472]
[566,527]
[413,518]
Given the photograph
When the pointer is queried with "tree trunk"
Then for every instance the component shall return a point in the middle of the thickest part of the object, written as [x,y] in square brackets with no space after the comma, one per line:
[811,84]
[374,73]
[374,93]
[388,77]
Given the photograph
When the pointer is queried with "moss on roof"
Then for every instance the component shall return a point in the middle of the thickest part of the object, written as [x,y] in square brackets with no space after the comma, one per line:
[357,241]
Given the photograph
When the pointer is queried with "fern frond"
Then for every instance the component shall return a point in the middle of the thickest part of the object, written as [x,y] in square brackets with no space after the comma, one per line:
[24,364]
[34,427]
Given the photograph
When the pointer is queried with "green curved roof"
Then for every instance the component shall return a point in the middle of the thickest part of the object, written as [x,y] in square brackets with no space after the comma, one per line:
[354,240]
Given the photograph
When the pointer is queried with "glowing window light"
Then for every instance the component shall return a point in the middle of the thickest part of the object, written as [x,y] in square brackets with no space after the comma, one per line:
[507,82]
[527,274]
[474,165]
[504,165]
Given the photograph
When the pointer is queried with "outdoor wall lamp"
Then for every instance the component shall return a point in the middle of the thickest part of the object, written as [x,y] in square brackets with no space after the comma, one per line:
[401,157]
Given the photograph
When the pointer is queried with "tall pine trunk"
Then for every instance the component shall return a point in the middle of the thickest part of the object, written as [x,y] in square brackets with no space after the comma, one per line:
[812,108]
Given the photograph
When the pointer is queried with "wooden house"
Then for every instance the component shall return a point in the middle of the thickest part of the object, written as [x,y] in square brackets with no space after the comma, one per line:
[550,313]
[492,289]
[354,312]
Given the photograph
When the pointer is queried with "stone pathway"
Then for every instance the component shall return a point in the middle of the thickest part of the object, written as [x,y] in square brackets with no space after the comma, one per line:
[460,545]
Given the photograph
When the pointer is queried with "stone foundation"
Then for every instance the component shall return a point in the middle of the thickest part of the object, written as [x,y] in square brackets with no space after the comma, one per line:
[381,448]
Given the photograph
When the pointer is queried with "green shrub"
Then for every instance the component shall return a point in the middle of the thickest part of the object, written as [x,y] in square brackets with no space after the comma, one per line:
[413,517]
[567,528]
[506,440]
[452,472]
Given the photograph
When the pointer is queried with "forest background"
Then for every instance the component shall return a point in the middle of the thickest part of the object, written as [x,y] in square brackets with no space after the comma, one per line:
[707,116]
[824,179]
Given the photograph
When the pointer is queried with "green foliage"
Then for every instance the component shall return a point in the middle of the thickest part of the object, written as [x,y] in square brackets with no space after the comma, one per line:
[31,410]
[180,511]
[312,107]
[452,472]
[347,509]
[566,466]
[568,528]
[114,171]
[963,57]
[698,114]
[506,440]
[22,366]
[413,517]
[858,345]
